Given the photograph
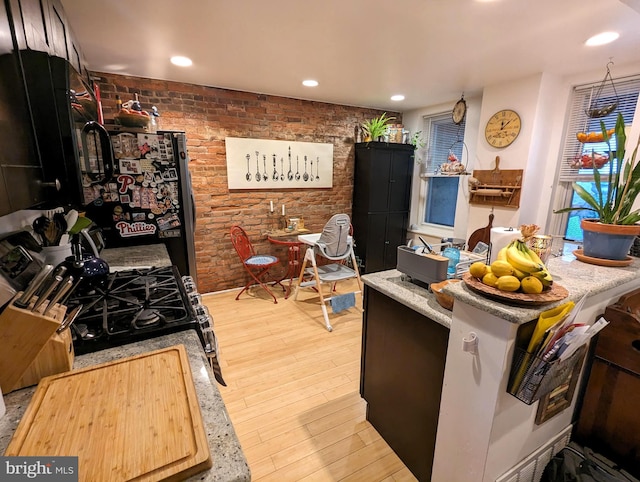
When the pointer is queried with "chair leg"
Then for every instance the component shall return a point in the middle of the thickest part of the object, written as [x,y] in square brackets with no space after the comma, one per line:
[258,278]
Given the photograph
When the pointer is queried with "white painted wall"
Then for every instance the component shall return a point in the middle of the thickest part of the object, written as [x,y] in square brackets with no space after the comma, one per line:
[541,101]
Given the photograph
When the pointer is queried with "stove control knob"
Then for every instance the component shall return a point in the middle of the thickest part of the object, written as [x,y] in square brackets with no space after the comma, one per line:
[195,299]
[189,284]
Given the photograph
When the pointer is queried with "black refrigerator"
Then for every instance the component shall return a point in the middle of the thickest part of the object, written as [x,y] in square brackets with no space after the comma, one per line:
[146,198]
[134,184]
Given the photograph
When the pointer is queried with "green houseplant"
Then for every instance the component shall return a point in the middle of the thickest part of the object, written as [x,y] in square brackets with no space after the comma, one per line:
[376,127]
[612,203]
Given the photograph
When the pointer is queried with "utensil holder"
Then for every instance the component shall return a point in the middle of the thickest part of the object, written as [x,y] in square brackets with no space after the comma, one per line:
[24,334]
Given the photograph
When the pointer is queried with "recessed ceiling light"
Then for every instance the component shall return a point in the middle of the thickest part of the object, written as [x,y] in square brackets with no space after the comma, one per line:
[397,97]
[310,83]
[602,38]
[181,61]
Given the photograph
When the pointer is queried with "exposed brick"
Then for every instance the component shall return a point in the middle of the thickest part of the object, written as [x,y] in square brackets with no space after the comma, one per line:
[208,115]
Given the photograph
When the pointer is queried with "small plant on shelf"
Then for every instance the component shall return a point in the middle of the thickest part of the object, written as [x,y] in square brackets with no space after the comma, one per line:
[375,128]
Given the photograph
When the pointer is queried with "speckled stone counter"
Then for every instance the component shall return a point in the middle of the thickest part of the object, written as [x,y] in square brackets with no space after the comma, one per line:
[393,284]
[145,256]
[229,463]
[577,277]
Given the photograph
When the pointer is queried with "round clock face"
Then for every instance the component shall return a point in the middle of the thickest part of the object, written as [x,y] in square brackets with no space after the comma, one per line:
[502,128]
[459,110]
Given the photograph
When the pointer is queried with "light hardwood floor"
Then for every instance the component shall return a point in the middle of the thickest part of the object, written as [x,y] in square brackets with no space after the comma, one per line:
[293,389]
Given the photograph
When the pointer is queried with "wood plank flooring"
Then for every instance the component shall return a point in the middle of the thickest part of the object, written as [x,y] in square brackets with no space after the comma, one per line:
[293,389]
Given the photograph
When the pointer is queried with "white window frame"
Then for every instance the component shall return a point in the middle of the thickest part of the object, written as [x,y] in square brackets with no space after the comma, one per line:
[575,121]
[427,170]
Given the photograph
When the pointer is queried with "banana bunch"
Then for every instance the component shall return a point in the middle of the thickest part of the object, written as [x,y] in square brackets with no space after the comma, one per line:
[525,262]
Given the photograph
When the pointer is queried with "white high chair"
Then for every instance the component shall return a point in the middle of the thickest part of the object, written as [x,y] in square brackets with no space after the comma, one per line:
[334,244]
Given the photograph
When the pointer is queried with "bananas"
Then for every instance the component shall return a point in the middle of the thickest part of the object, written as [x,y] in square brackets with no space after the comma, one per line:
[520,260]
[527,263]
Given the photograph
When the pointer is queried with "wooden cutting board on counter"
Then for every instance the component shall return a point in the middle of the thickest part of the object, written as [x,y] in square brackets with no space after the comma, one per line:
[134,418]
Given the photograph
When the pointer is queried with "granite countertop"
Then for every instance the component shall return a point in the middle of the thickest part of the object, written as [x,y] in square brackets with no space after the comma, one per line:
[229,463]
[144,256]
[394,284]
[577,277]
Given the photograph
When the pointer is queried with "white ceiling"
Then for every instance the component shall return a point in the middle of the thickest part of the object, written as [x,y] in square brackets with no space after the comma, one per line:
[361,52]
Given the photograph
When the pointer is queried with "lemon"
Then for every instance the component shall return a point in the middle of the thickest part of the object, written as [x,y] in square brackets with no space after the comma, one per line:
[531,285]
[478,269]
[508,283]
[501,268]
[490,279]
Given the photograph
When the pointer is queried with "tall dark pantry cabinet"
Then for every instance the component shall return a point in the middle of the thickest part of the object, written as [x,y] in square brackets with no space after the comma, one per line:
[381,200]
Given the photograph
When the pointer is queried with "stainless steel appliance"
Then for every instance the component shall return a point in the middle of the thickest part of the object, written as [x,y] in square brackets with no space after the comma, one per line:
[139,304]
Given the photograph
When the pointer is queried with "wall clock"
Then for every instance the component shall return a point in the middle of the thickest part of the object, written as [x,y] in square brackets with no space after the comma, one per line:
[459,111]
[502,128]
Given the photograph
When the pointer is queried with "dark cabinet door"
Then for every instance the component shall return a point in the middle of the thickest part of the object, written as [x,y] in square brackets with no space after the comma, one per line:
[381,199]
[59,31]
[400,171]
[34,21]
[402,369]
[21,175]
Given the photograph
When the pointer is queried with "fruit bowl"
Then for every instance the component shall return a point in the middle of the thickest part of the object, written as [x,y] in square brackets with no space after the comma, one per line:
[555,292]
[444,300]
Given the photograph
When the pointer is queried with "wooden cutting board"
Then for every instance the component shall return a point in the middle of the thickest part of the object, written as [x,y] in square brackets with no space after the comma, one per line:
[134,418]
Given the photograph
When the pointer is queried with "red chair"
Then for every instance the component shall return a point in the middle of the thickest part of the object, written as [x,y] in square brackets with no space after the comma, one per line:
[257,265]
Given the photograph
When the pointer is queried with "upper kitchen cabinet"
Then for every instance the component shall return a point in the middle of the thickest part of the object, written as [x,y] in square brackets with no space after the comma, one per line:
[46,29]
[381,200]
[21,175]
[32,24]
[63,41]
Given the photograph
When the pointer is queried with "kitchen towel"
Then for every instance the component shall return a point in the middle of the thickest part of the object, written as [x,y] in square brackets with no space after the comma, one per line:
[501,237]
[343,302]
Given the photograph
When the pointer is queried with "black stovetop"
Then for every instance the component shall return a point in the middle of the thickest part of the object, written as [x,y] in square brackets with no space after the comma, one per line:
[128,306]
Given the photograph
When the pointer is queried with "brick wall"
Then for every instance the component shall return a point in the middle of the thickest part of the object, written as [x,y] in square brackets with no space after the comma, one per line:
[208,115]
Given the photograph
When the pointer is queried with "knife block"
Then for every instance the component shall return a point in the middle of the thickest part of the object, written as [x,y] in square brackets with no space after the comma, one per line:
[24,335]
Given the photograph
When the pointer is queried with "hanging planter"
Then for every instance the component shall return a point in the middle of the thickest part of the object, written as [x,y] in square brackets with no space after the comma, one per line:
[454,166]
[598,108]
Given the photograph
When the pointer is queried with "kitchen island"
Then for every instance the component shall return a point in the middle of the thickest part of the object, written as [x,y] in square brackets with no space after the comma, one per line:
[478,431]
[229,463]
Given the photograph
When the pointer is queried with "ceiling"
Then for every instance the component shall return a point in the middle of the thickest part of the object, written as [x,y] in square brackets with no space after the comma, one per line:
[361,52]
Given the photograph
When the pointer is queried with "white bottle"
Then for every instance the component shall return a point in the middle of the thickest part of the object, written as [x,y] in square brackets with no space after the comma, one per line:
[2,407]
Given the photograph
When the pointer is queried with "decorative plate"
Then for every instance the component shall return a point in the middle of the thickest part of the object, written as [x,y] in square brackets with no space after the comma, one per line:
[555,293]
[579,254]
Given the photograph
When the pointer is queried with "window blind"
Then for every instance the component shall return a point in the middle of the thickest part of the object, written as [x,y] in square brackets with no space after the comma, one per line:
[444,136]
[625,92]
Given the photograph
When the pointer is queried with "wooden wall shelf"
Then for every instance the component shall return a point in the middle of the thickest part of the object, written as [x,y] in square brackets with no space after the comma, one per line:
[496,187]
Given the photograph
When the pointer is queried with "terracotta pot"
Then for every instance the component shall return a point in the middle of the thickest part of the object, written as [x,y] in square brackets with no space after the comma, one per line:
[608,241]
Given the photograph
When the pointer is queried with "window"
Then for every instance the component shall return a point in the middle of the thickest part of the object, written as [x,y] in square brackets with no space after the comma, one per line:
[443,137]
[625,93]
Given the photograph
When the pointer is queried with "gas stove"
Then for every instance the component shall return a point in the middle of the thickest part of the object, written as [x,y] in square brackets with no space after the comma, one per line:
[133,305]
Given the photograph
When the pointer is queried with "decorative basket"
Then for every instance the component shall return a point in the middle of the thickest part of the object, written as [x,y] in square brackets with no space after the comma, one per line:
[131,120]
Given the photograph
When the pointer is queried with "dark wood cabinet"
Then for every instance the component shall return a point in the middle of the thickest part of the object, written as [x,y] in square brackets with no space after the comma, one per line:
[36,45]
[381,202]
[402,369]
[608,420]
[21,175]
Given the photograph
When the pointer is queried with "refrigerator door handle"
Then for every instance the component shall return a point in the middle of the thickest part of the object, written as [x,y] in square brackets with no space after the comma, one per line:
[105,147]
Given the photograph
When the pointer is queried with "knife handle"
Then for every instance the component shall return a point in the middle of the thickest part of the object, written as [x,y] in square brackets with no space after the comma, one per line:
[48,290]
[24,300]
[65,286]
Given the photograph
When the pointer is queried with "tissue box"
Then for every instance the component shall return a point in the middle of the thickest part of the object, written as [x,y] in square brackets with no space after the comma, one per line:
[428,268]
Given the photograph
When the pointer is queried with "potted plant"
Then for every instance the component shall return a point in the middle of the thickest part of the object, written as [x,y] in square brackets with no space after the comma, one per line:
[613,229]
[375,128]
